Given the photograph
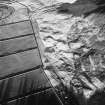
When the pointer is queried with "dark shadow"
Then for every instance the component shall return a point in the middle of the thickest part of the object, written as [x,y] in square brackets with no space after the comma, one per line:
[97,99]
[82,7]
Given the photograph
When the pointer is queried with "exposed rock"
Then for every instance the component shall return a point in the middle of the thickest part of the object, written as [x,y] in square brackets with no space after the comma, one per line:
[98,83]
[75,46]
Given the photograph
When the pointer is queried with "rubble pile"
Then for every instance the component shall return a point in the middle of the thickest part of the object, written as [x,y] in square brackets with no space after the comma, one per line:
[74,52]
[73,57]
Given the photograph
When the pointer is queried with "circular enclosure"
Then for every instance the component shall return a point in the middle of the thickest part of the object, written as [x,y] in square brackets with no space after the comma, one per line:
[5,11]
